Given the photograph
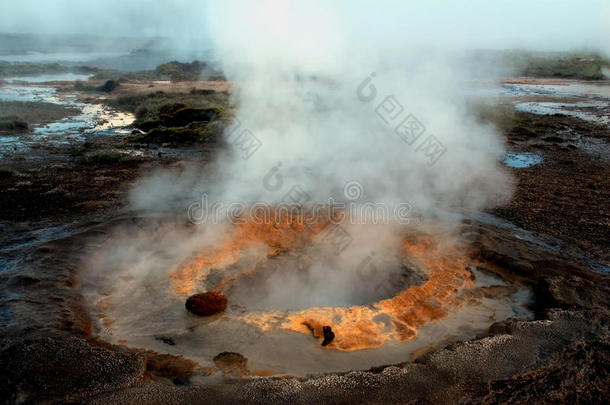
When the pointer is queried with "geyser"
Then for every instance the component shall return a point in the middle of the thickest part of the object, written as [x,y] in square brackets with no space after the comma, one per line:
[417,290]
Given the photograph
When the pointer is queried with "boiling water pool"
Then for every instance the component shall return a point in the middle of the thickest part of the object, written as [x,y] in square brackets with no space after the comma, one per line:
[137,281]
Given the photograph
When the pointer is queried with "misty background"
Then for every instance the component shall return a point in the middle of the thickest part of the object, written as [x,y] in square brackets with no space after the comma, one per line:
[553,25]
[297,66]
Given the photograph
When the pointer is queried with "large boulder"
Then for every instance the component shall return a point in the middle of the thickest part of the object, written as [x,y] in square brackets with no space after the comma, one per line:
[207,303]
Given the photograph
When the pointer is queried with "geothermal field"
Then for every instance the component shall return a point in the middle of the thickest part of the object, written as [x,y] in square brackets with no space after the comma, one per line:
[304,202]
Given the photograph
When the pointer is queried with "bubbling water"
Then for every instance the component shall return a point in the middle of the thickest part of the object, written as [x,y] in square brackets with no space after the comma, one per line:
[284,286]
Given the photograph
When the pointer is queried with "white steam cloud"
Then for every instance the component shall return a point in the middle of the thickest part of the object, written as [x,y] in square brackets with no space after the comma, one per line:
[333,105]
[333,92]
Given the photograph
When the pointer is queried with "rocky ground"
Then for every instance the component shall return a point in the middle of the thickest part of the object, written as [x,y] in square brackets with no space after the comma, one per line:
[566,346]
[52,207]
[567,196]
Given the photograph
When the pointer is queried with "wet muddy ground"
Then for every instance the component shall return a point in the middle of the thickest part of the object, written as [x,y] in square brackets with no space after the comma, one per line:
[75,159]
[566,194]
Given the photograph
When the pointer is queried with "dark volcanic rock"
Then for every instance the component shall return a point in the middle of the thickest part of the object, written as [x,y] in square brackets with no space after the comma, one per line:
[174,135]
[64,368]
[167,340]
[232,363]
[578,375]
[482,371]
[167,365]
[178,115]
[13,124]
[187,115]
[108,87]
[207,303]
[329,335]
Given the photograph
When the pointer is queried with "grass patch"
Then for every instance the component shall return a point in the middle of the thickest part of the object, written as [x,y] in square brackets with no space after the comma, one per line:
[174,71]
[178,118]
[110,158]
[177,71]
[150,106]
[177,115]
[34,69]
[560,65]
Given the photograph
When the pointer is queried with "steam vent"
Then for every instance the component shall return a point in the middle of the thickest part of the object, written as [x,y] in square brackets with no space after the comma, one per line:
[297,202]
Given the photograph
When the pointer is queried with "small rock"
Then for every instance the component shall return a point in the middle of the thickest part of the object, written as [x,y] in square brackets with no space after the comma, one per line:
[166,340]
[208,303]
[109,86]
[232,363]
[329,335]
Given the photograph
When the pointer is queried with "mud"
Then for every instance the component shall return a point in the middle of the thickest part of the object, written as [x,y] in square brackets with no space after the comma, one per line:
[566,197]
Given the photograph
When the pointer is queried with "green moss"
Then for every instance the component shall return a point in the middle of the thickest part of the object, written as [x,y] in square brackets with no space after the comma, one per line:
[110,158]
[213,131]
[32,69]
[177,118]
[150,106]
[177,71]
[561,65]
[147,125]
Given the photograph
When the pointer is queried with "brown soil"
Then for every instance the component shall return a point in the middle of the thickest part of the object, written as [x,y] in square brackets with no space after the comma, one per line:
[567,196]
[145,87]
[55,191]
